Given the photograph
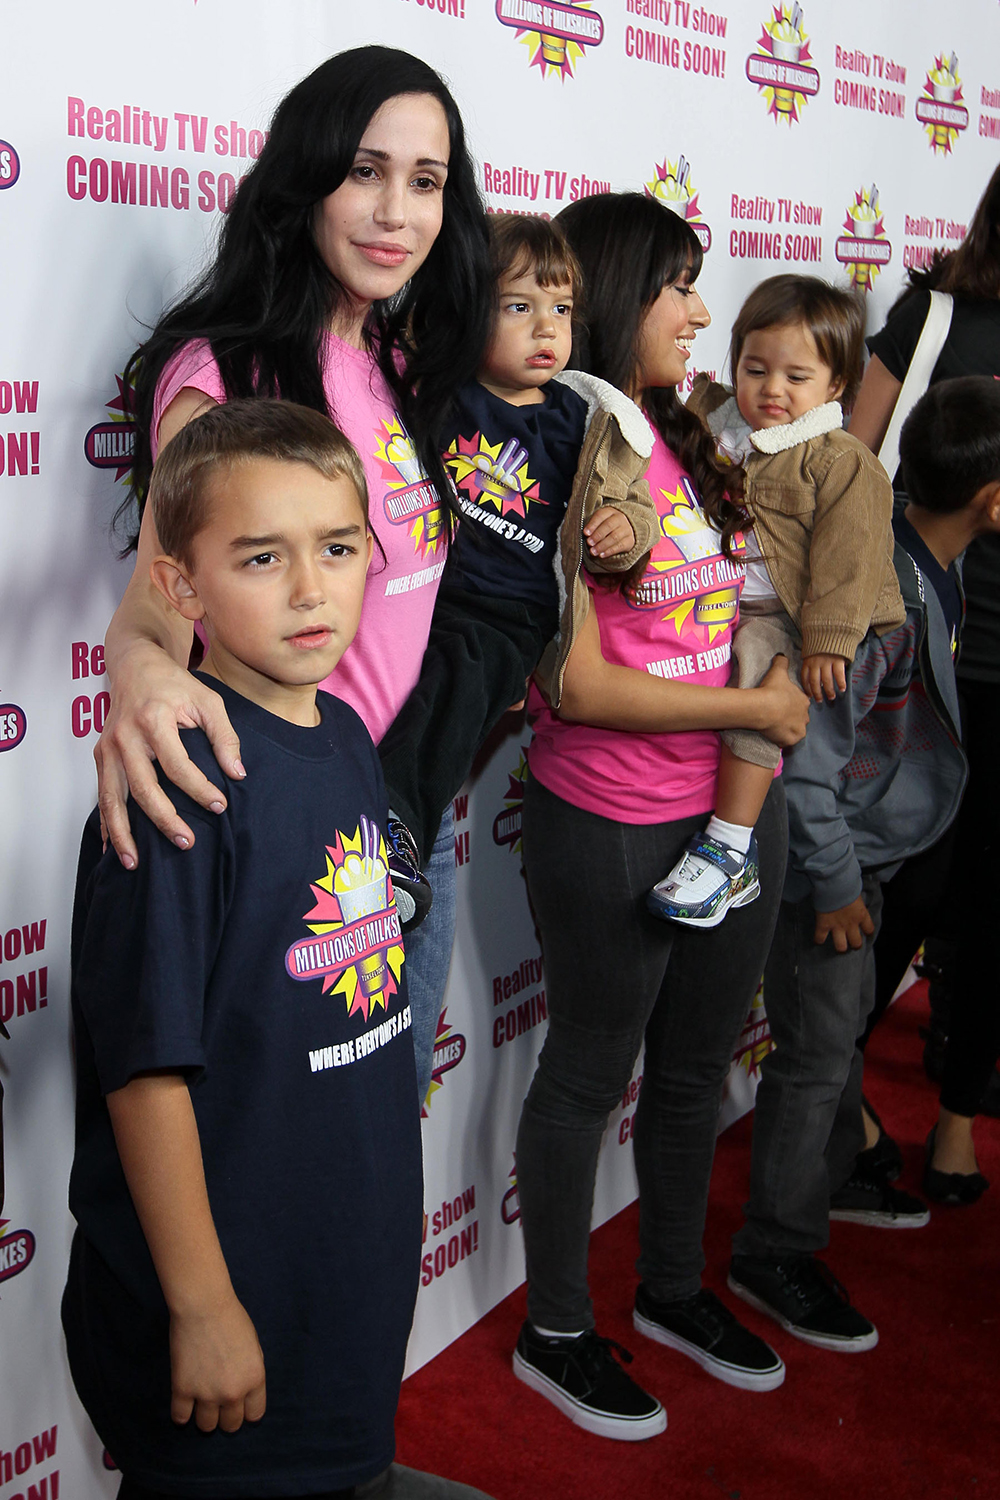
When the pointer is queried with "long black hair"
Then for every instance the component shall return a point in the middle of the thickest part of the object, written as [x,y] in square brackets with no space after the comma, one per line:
[630,248]
[972,269]
[267,300]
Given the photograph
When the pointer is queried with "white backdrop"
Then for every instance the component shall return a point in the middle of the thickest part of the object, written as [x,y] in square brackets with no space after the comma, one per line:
[842,138]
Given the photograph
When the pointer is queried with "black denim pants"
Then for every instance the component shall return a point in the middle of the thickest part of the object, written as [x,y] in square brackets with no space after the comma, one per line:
[615,976]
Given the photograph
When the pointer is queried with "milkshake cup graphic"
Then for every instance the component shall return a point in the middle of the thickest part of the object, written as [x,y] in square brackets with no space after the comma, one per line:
[944,83]
[403,456]
[553,50]
[866,217]
[360,886]
[696,542]
[672,191]
[497,478]
[786,45]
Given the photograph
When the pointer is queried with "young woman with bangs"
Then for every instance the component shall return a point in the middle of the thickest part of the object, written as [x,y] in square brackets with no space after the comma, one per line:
[619,780]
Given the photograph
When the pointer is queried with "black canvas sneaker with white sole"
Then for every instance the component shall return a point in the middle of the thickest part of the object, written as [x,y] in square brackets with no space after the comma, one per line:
[868,1199]
[805,1297]
[706,1331]
[584,1380]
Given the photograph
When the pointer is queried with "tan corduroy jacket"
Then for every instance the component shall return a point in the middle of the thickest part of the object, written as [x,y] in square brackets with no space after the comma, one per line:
[822,514]
[614,457]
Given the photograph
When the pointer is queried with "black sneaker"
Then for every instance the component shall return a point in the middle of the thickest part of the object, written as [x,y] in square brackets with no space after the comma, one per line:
[804,1296]
[706,1331]
[409,883]
[582,1377]
[865,1199]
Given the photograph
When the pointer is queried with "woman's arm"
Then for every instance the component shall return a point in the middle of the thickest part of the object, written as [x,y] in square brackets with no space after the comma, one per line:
[216,1364]
[598,692]
[146,651]
[874,406]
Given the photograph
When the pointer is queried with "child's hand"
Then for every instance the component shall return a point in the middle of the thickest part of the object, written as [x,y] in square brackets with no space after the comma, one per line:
[609,532]
[849,926]
[787,708]
[216,1368]
[824,675]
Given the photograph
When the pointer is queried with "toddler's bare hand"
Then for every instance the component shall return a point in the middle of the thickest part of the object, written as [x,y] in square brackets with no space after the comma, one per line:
[824,675]
[609,533]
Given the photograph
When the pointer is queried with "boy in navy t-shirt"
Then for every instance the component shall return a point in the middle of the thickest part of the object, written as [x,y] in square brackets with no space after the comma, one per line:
[247,1177]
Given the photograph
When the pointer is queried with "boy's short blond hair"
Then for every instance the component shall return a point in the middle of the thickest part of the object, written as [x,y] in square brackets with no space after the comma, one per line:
[231,434]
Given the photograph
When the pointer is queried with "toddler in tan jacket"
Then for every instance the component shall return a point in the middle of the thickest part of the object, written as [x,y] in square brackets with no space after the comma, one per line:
[819,555]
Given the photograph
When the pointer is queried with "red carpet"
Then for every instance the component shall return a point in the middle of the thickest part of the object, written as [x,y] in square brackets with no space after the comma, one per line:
[918,1417]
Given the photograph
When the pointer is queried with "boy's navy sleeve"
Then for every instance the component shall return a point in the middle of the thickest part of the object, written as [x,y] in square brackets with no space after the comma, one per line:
[821,856]
[147,945]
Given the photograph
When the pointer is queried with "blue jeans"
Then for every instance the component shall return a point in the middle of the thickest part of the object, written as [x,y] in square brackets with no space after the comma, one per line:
[615,976]
[428,952]
[807,1128]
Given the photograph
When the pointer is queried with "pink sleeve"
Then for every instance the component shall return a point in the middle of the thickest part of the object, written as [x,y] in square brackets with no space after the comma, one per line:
[193,365]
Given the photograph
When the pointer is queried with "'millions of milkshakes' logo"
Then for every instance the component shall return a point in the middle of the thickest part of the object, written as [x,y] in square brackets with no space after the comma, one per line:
[356,947]
[10,165]
[410,500]
[755,1040]
[939,108]
[449,1049]
[510,1203]
[111,444]
[17,1250]
[13,725]
[672,186]
[507,824]
[556,35]
[782,66]
[864,249]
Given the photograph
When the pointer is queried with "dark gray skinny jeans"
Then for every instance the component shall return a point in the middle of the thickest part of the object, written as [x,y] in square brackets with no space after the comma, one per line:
[614,975]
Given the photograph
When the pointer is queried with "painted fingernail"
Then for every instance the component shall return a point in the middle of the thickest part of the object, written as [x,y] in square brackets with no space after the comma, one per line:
[181,841]
[216,807]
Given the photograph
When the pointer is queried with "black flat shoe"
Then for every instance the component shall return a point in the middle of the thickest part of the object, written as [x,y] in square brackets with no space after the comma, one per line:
[950,1187]
[884,1159]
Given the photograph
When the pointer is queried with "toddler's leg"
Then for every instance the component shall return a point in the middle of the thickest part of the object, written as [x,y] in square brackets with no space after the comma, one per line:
[741,790]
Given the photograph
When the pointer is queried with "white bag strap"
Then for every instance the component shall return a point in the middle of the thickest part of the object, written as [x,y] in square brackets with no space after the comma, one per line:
[918,376]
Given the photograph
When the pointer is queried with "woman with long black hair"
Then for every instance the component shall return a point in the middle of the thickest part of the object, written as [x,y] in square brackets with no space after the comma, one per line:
[352,276]
[619,780]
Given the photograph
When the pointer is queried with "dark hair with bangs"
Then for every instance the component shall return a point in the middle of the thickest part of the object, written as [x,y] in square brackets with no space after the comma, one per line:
[236,433]
[523,243]
[267,300]
[834,316]
[949,445]
[630,247]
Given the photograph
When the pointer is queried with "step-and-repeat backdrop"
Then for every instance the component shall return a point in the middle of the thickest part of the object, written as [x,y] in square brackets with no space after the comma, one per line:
[845,139]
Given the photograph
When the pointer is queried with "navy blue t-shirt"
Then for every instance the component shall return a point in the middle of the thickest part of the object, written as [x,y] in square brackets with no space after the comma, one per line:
[266,965]
[944,581]
[513,467]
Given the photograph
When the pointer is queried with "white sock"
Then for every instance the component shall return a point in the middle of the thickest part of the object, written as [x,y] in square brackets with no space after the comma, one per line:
[732,836]
[551,1333]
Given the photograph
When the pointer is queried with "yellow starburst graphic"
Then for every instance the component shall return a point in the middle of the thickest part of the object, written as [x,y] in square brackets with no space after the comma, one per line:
[412,499]
[356,887]
[493,474]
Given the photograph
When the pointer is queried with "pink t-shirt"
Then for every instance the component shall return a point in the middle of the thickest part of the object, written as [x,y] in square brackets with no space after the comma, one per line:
[677,626]
[377,672]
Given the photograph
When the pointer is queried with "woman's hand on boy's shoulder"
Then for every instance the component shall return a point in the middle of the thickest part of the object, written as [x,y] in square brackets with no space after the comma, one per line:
[153,698]
[216,1368]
